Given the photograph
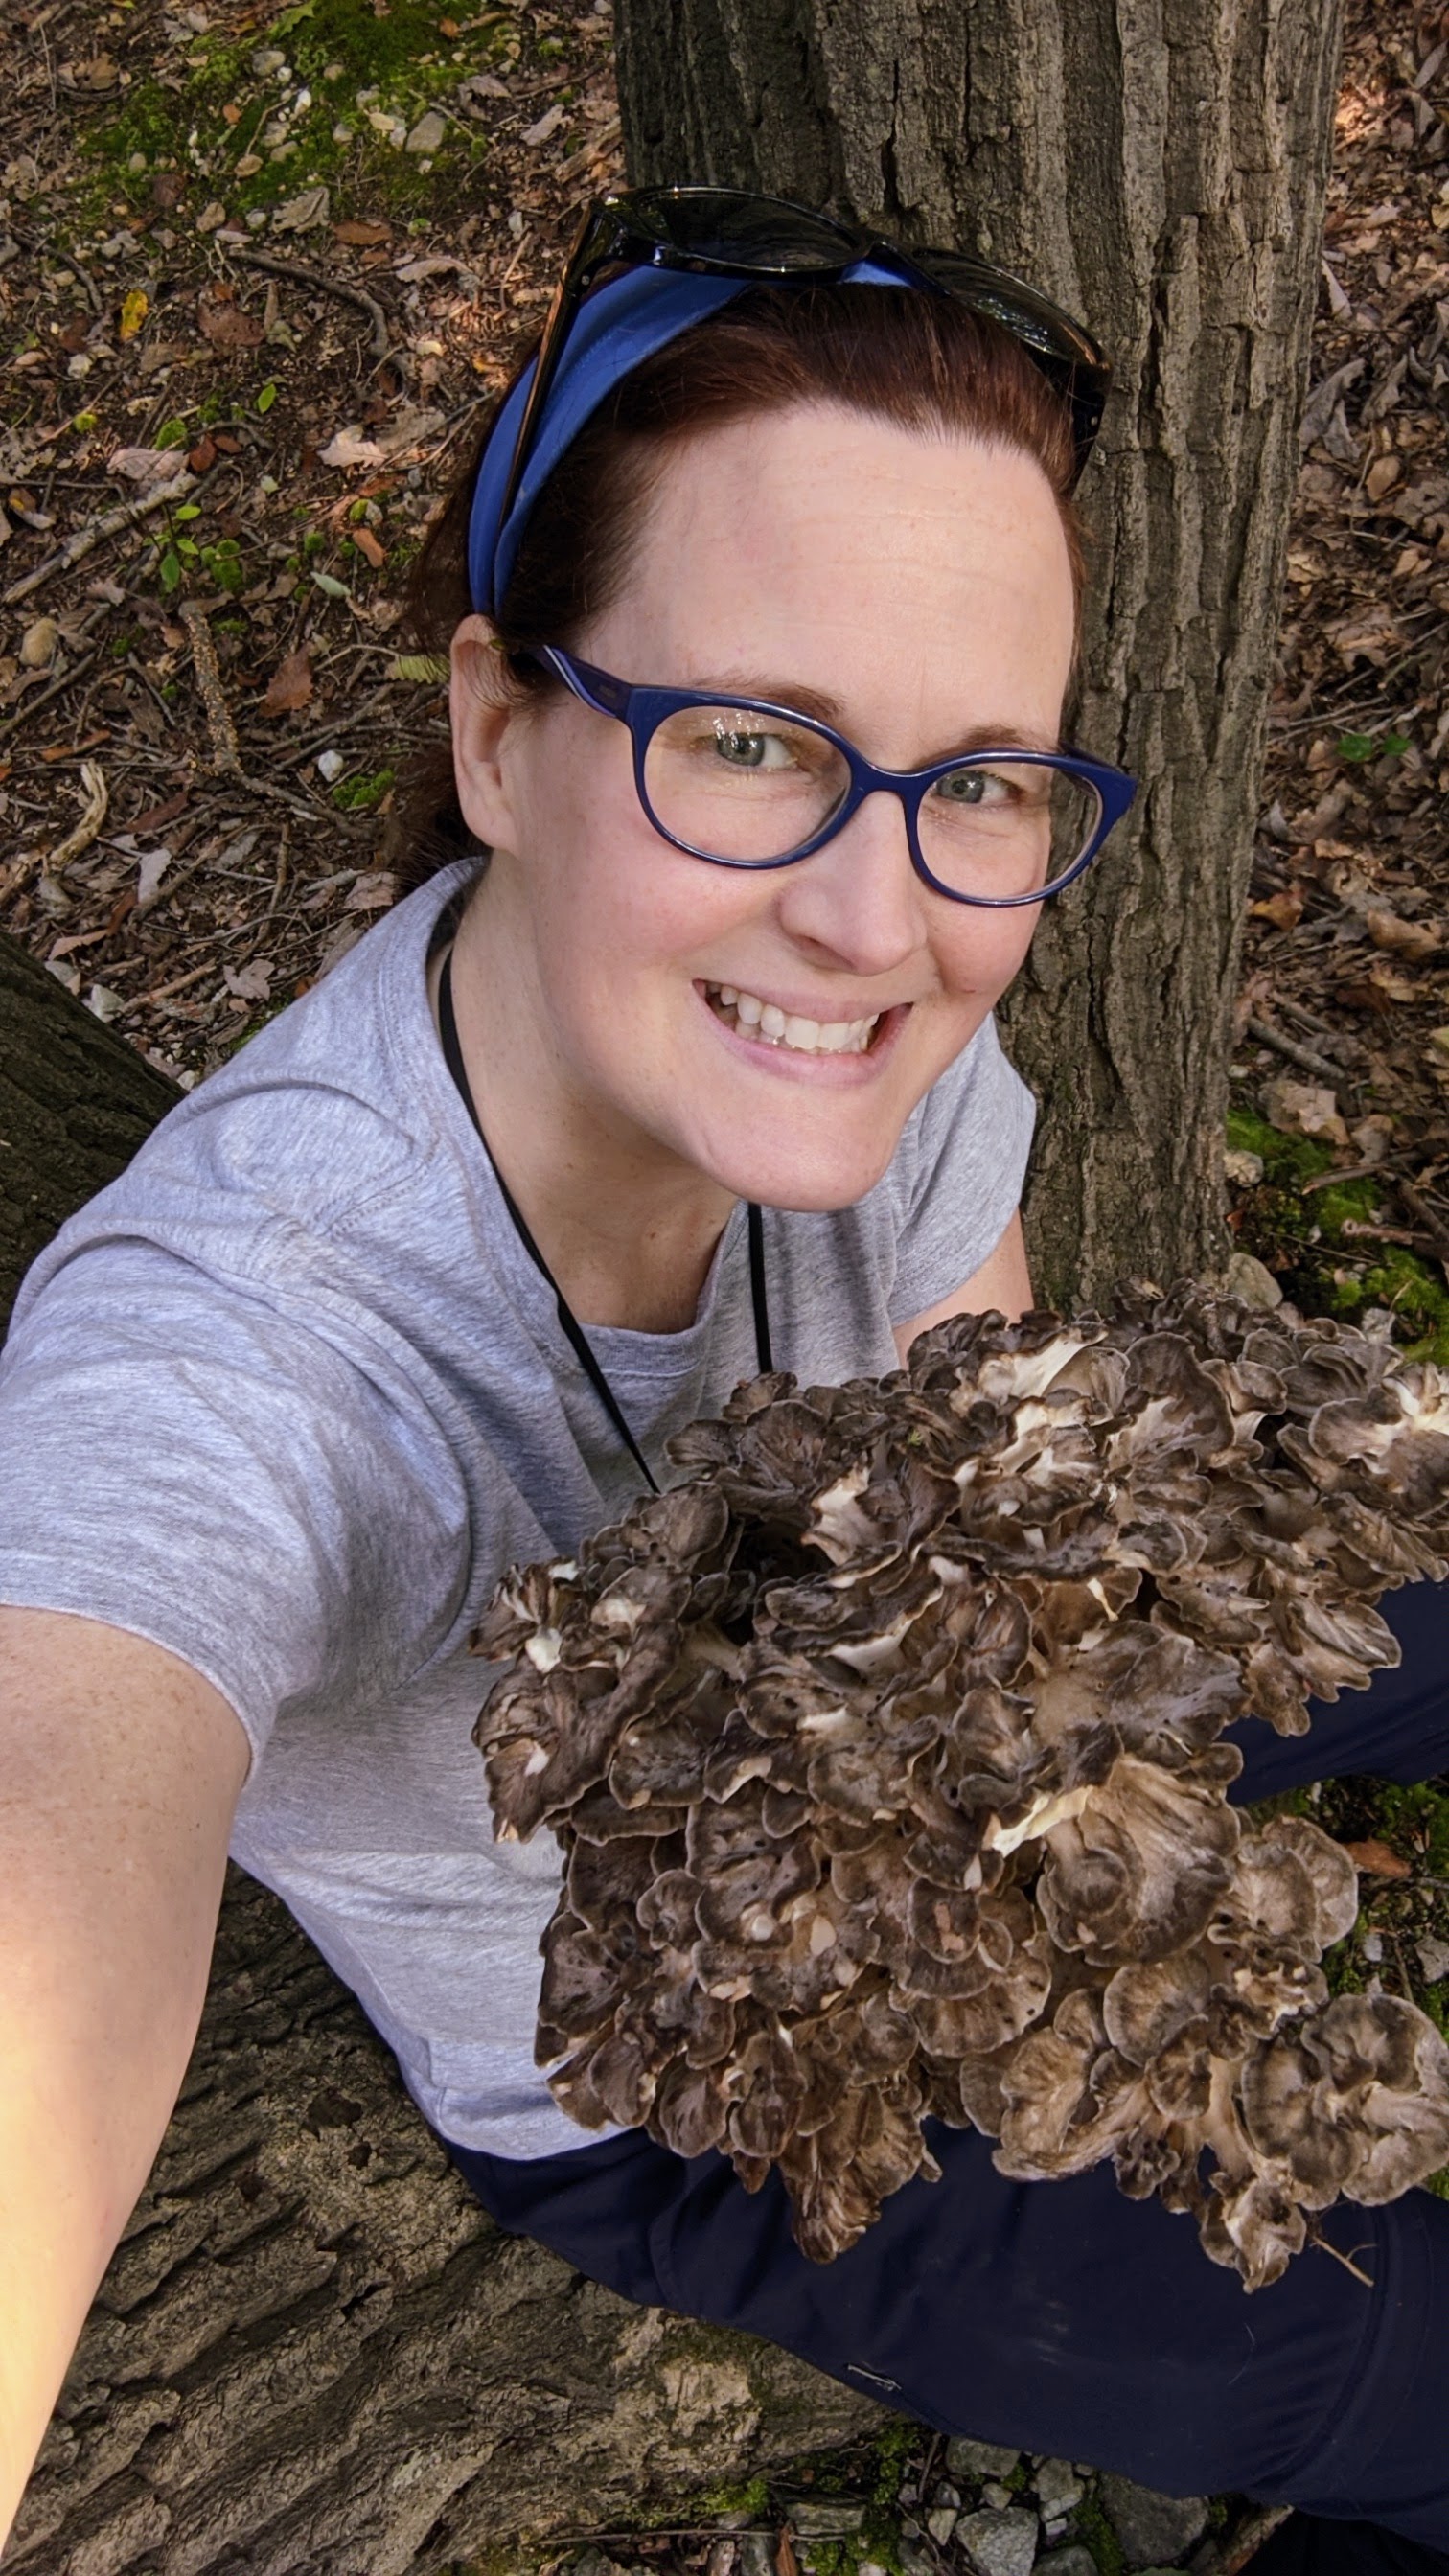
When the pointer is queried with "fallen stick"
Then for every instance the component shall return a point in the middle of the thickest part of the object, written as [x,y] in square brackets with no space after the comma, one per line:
[225,756]
[84,539]
[1302,1056]
[337,286]
[51,862]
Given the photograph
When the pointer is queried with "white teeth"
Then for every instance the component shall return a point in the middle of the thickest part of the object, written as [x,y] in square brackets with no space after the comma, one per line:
[792,1029]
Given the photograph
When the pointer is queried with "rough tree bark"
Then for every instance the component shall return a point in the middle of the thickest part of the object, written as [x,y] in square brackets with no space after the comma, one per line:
[313,2355]
[1159,166]
[75,1102]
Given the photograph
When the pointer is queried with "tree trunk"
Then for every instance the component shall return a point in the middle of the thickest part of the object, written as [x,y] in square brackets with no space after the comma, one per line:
[75,1102]
[1161,170]
[313,2352]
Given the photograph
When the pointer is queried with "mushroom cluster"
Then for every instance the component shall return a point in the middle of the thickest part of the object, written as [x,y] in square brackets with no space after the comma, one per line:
[885,1754]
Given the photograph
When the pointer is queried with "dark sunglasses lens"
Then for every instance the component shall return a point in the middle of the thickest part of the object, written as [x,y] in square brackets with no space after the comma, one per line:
[1031,318]
[737,229]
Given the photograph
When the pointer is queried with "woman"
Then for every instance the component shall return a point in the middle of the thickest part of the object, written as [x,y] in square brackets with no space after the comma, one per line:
[763,608]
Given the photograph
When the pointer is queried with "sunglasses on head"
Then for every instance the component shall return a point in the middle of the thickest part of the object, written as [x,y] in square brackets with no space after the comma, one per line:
[729,232]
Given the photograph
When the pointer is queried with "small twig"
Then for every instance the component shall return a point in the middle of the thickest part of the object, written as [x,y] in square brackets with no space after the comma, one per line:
[1418,1206]
[1360,1231]
[225,757]
[164,992]
[93,297]
[1352,1172]
[312,277]
[1304,1057]
[31,706]
[51,863]
[84,539]
[1349,2265]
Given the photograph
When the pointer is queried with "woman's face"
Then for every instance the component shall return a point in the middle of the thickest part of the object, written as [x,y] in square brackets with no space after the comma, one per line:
[913,590]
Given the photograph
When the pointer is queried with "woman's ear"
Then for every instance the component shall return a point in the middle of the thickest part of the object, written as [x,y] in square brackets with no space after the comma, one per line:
[484,704]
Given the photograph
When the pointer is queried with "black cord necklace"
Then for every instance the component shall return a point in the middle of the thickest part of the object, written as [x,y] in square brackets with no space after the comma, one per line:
[578,1339]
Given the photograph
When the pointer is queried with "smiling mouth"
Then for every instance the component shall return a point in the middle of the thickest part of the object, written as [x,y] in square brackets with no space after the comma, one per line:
[770,1026]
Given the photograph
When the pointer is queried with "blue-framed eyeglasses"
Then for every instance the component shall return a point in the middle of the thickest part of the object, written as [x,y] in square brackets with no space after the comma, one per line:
[744,783]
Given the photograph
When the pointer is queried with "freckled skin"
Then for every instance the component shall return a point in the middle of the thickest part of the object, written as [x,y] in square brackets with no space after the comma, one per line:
[921,581]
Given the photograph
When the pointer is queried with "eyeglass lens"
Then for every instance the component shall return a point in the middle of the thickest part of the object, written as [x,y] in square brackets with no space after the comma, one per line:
[751,789]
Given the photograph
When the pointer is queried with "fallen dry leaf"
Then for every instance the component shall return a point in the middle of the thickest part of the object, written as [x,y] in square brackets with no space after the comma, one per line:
[1411,939]
[1367,635]
[1377,1859]
[250,983]
[375,889]
[1284,910]
[224,322]
[1394,985]
[145,464]
[349,447]
[549,123]
[290,685]
[362,236]
[301,214]
[1303,1109]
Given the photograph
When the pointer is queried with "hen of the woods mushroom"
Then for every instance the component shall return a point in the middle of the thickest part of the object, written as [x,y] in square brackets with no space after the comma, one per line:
[885,1756]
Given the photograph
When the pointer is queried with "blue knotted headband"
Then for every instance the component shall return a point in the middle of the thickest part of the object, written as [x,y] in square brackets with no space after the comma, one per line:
[615,330]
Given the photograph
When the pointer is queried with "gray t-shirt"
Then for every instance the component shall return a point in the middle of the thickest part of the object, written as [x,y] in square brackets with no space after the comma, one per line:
[289,1396]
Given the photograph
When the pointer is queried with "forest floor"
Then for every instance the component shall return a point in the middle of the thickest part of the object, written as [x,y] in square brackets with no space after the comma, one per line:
[257,268]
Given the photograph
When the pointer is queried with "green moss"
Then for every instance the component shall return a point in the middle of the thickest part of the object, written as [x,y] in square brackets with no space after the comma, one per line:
[395,60]
[359,795]
[1090,2525]
[751,2498]
[1301,1238]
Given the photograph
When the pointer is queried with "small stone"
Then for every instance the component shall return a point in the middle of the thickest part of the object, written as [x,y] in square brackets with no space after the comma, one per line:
[211,216]
[1075,2561]
[979,2459]
[1243,1169]
[1000,2544]
[756,2553]
[330,765]
[1433,1958]
[429,134]
[1057,2485]
[817,2518]
[947,2494]
[995,2493]
[38,643]
[941,2522]
[1155,2530]
[1251,1282]
[137,163]
[248,166]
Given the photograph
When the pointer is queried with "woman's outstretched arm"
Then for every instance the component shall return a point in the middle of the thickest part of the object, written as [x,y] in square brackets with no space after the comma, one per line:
[119,1771]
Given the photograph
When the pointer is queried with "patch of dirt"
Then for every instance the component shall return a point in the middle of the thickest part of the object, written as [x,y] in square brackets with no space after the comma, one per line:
[258,269]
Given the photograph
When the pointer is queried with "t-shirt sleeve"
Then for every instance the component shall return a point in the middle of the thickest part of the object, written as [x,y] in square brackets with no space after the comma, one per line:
[207,1466]
[960,1174]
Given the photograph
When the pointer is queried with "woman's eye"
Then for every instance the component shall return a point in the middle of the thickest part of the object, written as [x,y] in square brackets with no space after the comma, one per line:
[975,787]
[750,748]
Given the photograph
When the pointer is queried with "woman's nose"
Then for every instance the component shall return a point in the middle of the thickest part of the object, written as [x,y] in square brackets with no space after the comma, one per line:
[859,898]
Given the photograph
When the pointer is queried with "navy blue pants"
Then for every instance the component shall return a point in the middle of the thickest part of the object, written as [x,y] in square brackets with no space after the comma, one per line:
[1058,2316]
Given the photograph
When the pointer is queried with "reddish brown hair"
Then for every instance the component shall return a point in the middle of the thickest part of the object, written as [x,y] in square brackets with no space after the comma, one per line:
[921,361]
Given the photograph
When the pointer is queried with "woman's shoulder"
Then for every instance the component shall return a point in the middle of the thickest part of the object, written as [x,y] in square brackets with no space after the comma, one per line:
[331,1114]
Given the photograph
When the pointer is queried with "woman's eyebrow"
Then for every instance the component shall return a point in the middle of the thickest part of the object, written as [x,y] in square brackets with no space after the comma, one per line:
[805,701]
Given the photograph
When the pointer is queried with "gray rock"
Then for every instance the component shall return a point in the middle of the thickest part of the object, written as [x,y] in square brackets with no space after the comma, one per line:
[941,2522]
[1075,2561]
[1057,2486]
[1000,2544]
[1155,2530]
[429,134]
[995,2493]
[756,2553]
[979,2459]
[817,2518]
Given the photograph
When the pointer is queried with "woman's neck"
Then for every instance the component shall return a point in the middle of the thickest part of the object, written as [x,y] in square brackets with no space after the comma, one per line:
[627,1229]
